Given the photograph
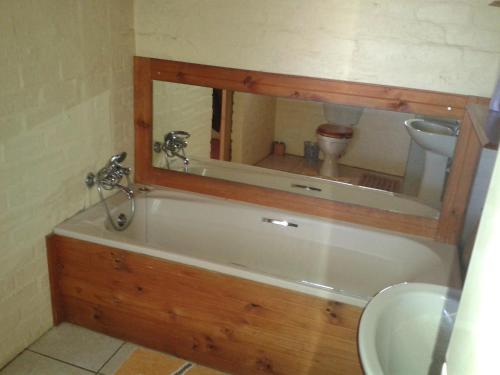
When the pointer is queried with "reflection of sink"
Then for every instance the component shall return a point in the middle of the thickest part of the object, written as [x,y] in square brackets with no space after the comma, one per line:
[432,136]
[438,142]
[405,329]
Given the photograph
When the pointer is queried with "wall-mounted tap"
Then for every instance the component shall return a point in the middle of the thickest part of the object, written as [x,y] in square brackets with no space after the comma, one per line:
[109,178]
[174,144]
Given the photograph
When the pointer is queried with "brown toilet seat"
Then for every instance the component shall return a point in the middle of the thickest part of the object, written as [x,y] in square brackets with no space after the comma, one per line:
[334,131]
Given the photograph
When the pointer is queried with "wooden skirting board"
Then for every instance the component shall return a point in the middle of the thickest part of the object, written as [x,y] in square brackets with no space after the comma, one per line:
[224,322]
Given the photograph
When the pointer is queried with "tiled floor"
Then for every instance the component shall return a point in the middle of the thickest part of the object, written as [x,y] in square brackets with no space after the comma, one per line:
[72,350]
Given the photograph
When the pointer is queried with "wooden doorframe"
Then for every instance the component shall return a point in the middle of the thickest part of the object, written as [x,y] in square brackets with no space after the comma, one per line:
[226,125]
[445,229]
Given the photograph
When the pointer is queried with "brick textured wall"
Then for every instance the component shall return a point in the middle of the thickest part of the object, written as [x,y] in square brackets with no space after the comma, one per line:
[253,127]
[442,45]
[65,107]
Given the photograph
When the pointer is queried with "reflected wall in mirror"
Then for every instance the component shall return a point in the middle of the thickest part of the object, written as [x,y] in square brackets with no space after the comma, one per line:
[364,156]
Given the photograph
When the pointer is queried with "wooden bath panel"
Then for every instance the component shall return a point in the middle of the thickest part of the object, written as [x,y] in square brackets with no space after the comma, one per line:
[231,324]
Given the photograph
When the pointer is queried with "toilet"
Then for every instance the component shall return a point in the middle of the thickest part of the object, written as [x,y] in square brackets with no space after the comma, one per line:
[334,136]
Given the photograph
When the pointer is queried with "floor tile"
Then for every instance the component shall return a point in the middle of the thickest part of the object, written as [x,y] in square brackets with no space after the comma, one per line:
[118,359]
[29,363]
[77,345]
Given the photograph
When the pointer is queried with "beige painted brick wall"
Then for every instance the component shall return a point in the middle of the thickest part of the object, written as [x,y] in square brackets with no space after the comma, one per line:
[442,45]
[296,122]
[65,107]
[253,127]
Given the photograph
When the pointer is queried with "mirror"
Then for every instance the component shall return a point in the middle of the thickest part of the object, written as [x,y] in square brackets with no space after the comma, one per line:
[393,161]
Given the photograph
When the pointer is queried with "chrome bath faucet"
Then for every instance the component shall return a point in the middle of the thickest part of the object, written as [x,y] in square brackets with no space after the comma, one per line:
[174,144]
[109,178]
[111,174]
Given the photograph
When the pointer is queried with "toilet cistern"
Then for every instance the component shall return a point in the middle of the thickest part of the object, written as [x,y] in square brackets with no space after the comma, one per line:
[438,141]
[334,136]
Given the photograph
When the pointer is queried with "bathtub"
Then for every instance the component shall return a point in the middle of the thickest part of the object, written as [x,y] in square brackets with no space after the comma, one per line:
[324,258]
[306,185]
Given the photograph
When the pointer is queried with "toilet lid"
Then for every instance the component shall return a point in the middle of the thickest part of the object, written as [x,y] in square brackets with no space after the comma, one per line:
[334,131]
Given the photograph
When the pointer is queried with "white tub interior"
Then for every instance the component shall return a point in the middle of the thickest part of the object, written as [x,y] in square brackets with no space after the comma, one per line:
[341,261]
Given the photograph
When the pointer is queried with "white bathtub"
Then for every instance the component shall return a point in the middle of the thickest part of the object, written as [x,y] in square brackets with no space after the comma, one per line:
[344,262]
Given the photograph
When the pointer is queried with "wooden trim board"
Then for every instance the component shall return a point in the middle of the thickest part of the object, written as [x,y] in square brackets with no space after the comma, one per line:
[226,125]
[366,95]
[460,180]
[325,90]
[231,324]
[55,292]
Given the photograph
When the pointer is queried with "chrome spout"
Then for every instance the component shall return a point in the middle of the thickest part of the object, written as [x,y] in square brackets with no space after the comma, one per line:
[128,191]
[184,159]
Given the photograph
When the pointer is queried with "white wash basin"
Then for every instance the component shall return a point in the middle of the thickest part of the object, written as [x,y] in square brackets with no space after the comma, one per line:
[405,329]
[432,136]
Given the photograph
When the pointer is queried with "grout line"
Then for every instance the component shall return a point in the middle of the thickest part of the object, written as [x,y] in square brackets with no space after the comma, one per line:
[60,360]
[39,338]
[12,360]
[182,370]
[112,355]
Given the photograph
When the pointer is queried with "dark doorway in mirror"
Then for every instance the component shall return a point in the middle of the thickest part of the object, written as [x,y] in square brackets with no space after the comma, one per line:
[216,124]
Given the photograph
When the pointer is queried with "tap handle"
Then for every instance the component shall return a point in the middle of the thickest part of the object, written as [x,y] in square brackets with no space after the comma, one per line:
[118,158]
[177,136]
[114,165]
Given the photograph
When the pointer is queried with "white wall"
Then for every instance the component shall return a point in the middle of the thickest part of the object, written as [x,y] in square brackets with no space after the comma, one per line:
[474,342]
[451,46]
[296,121]
[65,108]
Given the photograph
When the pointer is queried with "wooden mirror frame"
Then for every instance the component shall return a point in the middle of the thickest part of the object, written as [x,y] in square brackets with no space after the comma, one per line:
[446,228]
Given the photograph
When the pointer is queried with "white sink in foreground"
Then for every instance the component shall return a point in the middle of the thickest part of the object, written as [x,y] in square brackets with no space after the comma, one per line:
[405,329]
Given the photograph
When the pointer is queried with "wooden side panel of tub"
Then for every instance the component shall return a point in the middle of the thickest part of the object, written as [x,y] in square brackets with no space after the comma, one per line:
[231,324]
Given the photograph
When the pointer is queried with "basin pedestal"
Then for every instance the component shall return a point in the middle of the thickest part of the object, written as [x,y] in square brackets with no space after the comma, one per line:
[433,178]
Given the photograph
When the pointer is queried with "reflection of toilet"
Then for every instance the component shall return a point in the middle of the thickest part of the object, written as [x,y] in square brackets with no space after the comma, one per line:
[334,136]
[332,141]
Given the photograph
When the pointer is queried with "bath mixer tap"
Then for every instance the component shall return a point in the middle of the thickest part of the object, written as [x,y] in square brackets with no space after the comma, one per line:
[109,178]
[111,174]
[174,144]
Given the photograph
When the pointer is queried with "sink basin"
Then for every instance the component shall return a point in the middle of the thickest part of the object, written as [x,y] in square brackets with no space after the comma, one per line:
[432,136]
[405,329]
